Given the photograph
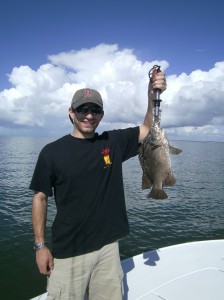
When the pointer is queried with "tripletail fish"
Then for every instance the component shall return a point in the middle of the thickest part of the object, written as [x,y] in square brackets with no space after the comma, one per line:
[155,161]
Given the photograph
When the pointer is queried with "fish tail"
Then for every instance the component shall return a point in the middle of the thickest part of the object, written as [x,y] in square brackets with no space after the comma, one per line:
[157,194]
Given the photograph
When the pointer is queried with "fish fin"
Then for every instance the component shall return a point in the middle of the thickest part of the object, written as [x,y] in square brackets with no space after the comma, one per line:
[157,194]
[170,180]
[174,150]
[146,184]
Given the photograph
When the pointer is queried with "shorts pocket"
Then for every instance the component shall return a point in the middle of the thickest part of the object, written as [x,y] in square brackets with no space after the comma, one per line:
[54,289]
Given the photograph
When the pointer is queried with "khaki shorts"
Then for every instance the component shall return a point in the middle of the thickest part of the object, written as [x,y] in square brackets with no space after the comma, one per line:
[95,276]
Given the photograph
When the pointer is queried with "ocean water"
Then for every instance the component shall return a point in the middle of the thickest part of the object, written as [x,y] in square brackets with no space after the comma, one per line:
[194,210]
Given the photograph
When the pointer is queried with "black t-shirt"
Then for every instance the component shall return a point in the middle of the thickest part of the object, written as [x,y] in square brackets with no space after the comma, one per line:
[86,176]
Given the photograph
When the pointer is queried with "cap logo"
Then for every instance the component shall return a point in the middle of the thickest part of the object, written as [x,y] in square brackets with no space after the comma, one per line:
[87,93]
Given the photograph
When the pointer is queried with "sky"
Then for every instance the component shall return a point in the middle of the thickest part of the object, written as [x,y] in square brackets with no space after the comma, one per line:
[51,48]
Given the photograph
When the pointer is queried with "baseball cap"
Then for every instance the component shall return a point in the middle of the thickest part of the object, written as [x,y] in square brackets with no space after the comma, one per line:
[86,95]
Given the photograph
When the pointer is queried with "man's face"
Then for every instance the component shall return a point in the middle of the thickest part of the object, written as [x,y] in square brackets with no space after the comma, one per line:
[86,119]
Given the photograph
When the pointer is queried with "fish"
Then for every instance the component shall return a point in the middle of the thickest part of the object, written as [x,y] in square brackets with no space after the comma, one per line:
[154,155]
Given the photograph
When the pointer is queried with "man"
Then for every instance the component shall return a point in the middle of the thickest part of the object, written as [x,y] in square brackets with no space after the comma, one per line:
[85,171]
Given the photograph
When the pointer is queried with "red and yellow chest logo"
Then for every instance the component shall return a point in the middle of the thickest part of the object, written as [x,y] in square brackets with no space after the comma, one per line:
[106,157]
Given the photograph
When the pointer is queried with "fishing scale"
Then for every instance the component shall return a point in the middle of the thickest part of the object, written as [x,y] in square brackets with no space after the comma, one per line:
[157,100]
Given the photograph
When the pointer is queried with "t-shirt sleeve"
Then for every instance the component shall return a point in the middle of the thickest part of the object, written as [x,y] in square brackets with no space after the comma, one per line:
[128,141]
[42,180]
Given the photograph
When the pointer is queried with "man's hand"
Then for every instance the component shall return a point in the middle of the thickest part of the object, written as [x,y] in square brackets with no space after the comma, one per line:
[158,82]
[45,261]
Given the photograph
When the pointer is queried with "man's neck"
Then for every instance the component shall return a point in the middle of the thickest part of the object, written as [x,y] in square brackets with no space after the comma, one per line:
[84,135]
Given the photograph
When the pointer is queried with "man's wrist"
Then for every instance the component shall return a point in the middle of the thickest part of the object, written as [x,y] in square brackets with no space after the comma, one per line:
[38,246]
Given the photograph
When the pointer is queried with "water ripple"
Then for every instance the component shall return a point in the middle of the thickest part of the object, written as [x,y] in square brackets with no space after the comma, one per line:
[193,211]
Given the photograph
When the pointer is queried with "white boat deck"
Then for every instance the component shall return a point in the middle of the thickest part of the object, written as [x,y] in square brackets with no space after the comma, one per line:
[190,271]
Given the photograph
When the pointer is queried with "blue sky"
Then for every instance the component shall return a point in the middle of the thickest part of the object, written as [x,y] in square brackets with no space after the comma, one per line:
[185,37]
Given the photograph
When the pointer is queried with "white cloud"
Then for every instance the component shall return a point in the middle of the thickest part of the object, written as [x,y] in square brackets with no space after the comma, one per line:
[204,133]
[195,100]
[39,99]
